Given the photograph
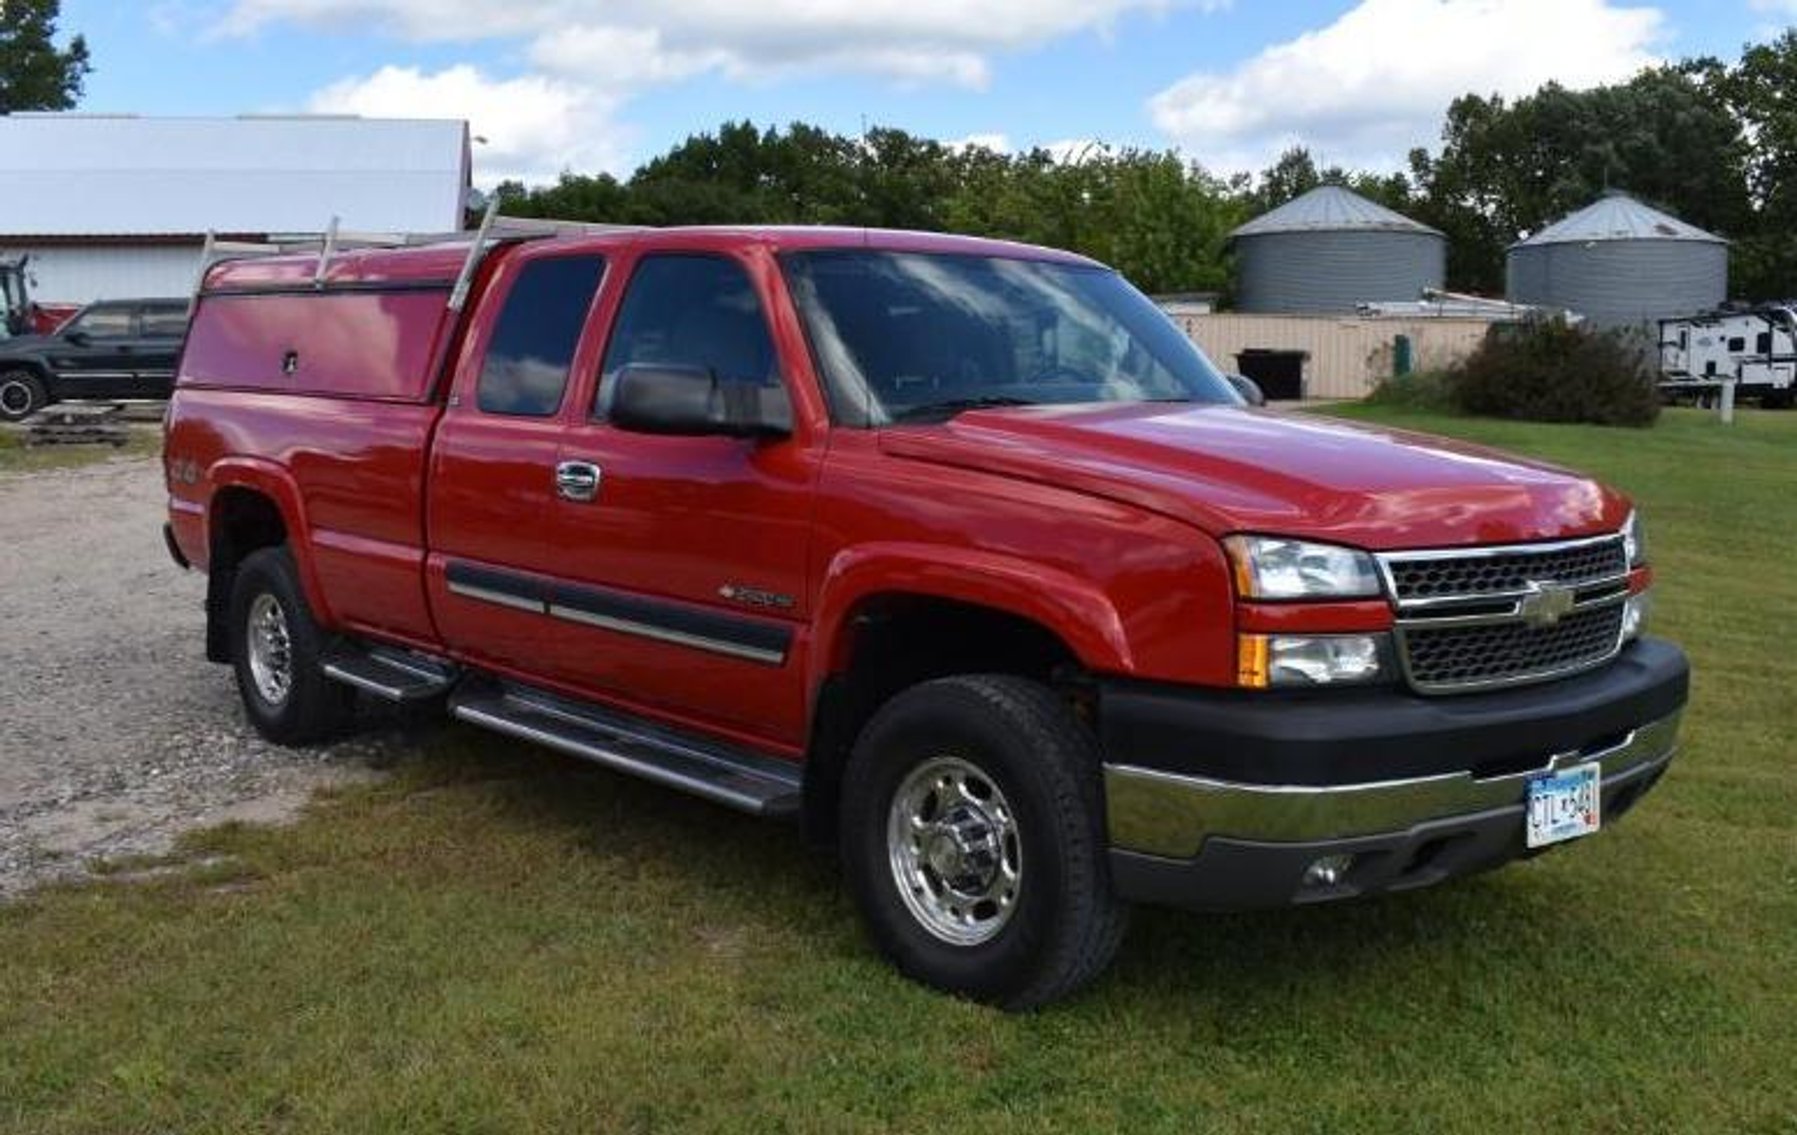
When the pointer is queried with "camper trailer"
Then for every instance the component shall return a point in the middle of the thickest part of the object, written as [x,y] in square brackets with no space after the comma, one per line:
[1755,348]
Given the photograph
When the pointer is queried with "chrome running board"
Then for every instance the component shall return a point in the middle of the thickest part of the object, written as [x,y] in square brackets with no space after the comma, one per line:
[725,774]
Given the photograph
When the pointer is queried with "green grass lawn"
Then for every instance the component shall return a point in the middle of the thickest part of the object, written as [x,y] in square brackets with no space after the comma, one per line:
[499,940]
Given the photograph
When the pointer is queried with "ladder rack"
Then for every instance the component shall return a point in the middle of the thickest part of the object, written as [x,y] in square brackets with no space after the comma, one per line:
[494,229]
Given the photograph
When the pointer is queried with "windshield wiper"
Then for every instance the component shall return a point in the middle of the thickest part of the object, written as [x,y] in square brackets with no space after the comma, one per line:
[948,408]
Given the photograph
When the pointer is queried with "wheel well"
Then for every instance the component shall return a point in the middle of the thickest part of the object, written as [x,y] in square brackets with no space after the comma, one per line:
[894,642]
[242,521]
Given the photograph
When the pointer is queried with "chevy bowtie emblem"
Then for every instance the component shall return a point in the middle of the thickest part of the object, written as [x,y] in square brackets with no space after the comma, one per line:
[1546,603]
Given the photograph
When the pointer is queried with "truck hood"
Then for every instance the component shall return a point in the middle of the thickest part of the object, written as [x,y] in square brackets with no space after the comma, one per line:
[1232,469]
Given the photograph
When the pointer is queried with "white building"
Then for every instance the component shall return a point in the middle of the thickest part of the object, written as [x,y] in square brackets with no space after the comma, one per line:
[112,207]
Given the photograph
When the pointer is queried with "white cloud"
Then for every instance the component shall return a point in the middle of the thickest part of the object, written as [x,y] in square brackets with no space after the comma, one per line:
[1775,7]
[534,127]
[1374,83]
[585,59]
[905,39]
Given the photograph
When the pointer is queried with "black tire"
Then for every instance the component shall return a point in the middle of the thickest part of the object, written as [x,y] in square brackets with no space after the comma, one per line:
[1066,923]
[314,708]
[22,394]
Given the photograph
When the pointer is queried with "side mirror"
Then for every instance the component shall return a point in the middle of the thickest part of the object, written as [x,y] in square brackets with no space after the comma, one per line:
[79,338]
[689,401]
[1248,388]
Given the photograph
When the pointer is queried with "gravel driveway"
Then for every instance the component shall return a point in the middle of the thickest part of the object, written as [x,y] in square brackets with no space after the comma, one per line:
[116,733]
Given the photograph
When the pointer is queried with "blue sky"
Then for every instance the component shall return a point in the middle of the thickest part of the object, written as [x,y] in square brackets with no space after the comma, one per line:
[604,84]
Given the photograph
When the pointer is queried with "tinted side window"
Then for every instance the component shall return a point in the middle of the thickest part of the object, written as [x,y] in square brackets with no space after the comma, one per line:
[692,311]
[163,322]
[526,368]
[1762,343]
[1737,343]
[105,322]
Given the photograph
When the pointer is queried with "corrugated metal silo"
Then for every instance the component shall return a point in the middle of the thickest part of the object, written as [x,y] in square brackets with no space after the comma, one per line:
[1620,263]
[1331,250]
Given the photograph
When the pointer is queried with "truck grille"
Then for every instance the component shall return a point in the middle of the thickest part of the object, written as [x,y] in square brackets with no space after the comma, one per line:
[1471,619]
[1503,653]
[1507,571]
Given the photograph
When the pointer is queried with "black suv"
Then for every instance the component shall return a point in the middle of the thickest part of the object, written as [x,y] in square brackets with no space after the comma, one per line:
[110,349]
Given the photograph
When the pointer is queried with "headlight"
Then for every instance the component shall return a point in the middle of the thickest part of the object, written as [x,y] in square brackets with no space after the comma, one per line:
[1270,567]
[1267,661]
[1634,541]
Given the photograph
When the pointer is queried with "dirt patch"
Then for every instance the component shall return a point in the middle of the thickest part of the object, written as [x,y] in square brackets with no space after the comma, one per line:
[117,734]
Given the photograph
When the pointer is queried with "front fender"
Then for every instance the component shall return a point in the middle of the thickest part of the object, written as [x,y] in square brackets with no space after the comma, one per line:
[1072,608]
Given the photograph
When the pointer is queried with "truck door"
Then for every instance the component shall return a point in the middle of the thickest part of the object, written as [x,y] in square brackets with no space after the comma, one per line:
[92,356]
[681,560]
[492,467]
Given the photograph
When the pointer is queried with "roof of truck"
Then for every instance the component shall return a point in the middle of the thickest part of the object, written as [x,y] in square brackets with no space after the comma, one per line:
[440,263]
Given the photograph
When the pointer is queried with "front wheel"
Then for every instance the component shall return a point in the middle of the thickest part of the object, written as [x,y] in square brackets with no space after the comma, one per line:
[973,839]
[22,394]
[277,649]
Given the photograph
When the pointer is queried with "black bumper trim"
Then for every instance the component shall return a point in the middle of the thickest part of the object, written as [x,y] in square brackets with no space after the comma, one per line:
[1338,737]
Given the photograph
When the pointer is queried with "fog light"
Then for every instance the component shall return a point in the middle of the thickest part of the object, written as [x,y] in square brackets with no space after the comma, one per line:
[1634,615]
[1308,660]
[1328,871]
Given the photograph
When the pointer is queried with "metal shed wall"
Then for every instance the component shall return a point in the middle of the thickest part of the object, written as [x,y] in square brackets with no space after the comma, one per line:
[1334,270]
[1620,283]
[83,273]
[69,175]
[1347,355]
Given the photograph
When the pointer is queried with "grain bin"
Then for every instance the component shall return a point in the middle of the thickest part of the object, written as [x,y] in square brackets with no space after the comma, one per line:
[1620,263]
[1331,250]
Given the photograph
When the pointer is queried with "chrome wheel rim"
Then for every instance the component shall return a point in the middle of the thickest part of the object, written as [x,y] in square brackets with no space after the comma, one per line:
[956,857]
[270,649]
[15,397]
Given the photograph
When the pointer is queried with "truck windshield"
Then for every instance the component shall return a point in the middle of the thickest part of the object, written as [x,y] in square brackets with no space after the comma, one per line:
[912,337]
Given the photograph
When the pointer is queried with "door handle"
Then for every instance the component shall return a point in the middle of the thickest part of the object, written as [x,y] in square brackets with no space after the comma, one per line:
[577,480]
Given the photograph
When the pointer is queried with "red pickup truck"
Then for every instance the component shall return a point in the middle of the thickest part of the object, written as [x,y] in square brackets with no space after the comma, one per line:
[955,550]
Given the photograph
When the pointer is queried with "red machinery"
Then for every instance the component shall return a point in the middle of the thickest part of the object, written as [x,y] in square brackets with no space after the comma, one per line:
[19,313]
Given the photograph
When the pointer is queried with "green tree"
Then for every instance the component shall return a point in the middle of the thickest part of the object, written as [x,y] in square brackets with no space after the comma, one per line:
[1506,168]
[1759,91]
[574,197]
[1157,219]
[34,73]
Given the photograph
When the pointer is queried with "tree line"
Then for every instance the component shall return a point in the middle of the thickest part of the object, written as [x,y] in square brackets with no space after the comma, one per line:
[1711,142]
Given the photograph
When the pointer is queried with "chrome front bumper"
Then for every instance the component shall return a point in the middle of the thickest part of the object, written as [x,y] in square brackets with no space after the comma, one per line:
[1170,815]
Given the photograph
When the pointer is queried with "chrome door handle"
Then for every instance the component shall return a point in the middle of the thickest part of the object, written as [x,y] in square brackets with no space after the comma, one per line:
[577,480]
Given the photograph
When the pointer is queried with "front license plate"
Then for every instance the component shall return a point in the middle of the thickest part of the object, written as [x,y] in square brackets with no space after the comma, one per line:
[1563,805]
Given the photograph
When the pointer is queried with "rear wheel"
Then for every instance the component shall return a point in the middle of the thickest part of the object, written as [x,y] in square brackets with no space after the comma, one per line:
[973,840]
[277,648]
[21,395]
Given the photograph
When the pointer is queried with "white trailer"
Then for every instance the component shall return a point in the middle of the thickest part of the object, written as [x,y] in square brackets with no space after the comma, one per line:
[1756,349]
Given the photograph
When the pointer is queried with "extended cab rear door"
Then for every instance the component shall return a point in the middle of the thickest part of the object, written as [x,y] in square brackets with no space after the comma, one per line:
[682,577]
[492,468]
[160,327]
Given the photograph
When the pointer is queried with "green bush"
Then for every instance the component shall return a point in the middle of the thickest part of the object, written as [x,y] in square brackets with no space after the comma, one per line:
[1554,372]
[1422,390]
